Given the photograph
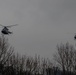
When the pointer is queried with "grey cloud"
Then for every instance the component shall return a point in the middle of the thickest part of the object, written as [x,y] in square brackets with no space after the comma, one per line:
[42,23]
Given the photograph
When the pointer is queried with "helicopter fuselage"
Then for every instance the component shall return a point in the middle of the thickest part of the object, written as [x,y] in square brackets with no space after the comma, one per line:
[75,37]
[5,30]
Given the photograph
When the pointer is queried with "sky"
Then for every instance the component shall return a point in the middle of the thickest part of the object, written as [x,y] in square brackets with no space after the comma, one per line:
[42,24]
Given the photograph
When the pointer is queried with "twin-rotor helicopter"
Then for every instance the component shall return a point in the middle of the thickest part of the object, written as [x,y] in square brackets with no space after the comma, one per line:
[5,29]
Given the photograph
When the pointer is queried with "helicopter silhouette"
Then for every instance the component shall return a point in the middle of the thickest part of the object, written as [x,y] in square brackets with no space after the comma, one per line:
[5,29]
[75,37]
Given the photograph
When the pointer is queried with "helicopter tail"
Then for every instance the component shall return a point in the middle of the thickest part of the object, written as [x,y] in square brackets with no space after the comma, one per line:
[11,32]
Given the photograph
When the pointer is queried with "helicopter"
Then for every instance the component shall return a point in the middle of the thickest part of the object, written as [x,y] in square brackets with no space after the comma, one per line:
[5,29]
[75,37]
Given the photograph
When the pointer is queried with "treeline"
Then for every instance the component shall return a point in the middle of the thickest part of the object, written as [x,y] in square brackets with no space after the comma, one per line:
[12,63]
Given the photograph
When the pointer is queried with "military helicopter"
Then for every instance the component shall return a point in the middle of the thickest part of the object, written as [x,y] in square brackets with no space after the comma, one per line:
[75,37]
[5,29]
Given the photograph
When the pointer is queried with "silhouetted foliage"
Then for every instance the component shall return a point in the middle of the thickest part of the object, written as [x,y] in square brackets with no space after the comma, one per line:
[15,64]
[65,57]
[5,52]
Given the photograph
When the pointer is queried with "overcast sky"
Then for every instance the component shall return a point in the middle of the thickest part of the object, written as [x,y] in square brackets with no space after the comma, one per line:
[42,24]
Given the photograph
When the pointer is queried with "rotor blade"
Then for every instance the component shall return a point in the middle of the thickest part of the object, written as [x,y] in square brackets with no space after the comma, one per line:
[12,25]
[1,25]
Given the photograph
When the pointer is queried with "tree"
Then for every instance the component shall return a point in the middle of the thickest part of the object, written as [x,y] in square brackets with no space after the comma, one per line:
[6,52]
[18,63]
[65,56]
